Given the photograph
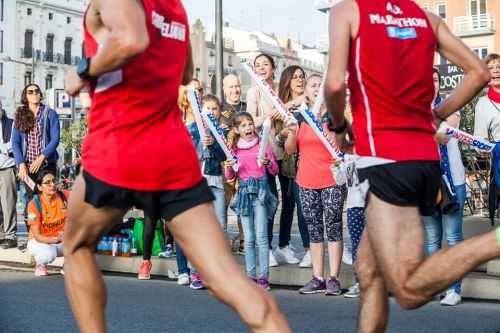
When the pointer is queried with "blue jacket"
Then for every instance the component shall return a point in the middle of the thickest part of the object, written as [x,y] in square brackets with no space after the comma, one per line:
[213,156]
[50,137]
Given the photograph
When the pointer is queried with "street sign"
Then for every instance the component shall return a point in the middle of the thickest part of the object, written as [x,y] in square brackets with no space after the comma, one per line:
[451,76]
[61,102]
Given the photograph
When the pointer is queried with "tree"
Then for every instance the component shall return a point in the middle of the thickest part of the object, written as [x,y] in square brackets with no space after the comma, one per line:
[72,136]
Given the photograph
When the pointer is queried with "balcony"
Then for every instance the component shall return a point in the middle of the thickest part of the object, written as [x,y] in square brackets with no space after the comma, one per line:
[474,25]
[48,57]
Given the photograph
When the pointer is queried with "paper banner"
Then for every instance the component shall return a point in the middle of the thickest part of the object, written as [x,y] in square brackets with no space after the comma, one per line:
[264,140]
[469,139]
[269,93]
[196,105]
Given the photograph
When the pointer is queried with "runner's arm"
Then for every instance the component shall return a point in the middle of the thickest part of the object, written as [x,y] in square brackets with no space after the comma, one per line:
[340,37]
[127,37]
[476,73]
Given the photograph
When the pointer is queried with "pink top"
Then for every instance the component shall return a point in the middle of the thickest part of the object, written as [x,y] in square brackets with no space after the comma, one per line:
[315,162]
[247,160]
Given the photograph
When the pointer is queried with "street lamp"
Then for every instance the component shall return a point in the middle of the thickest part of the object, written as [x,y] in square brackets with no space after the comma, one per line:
[219,50]
[32,64]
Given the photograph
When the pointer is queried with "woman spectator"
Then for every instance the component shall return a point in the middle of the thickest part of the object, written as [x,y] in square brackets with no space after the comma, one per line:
[35,137]
[450,223]
[487,112]
[47,214]
[321,198]
[291,92]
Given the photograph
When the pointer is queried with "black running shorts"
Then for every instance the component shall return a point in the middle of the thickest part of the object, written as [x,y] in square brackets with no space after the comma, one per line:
[158,204]
[407,184]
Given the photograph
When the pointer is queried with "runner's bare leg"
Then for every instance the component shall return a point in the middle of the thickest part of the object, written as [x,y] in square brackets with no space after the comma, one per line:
[396,237]
[197,230]
[84,283]
[374,305]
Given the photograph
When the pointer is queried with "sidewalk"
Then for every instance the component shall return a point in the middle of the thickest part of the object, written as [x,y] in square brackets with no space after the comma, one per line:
[484,283]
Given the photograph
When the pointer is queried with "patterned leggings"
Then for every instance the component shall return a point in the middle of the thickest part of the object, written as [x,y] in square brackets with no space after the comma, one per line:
[327,203]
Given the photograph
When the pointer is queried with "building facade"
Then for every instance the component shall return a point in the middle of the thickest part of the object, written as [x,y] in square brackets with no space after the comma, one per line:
[41,40]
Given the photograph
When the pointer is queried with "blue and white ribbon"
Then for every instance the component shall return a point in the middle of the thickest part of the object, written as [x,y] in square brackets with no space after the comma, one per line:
[197,110]
[469,139]
[219,135]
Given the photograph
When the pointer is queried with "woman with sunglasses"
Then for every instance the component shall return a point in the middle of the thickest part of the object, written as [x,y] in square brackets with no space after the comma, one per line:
[47,214]
[35,137]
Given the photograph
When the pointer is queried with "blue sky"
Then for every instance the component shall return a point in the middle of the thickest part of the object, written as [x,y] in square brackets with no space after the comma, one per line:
[288,18]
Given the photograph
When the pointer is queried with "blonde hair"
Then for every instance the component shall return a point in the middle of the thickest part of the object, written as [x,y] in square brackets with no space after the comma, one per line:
[183,101]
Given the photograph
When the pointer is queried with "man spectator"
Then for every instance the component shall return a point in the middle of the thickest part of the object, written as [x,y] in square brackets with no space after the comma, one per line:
[8,190]
[232,99]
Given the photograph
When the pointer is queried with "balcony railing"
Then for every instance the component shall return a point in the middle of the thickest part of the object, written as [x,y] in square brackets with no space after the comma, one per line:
[474,25]
[49,57]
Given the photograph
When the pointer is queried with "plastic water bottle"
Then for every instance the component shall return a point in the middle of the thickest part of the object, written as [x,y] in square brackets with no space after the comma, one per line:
[133,249]
[114,247]
[125,248]
[107,246]
[100,246]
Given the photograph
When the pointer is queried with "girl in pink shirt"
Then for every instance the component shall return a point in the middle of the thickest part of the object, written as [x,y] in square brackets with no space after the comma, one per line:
[253,202]
[321,199]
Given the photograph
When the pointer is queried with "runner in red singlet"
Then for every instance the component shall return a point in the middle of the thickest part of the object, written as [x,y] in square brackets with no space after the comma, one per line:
[388,47]
[139,153]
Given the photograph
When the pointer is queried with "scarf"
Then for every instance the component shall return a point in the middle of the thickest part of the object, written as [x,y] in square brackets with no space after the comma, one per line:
[243,144]
[494,95]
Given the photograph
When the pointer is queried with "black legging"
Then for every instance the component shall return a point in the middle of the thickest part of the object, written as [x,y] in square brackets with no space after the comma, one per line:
[148,236]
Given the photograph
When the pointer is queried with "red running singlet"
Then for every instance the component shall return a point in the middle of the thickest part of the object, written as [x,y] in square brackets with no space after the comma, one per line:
[390,79]
[136,137]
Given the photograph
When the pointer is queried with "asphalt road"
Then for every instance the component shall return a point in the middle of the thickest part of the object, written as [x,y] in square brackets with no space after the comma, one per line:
[30,304]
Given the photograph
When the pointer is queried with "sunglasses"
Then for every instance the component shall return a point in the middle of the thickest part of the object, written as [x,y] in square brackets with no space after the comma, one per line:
[33,91]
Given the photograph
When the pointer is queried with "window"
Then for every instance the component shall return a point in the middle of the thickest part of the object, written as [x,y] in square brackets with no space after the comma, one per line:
[1,9]
[230,61]
[441,10]
[481,52]
[477,7]
[1,41]
[28,12]
[49,48]
[28,43]
[51,16]
[68,20]
[48,81]
[67,50]
[27,78]
[1,74]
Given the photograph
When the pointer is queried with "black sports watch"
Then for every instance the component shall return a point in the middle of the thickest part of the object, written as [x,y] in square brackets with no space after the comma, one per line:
[338,129]
[83,69]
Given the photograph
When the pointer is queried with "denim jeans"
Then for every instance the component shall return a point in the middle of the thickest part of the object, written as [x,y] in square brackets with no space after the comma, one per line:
[183,266]
[220,206]
[452,226]
[255,231]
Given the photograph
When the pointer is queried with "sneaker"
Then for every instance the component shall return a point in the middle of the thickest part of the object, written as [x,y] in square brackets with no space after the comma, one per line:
[169,252]
[62,270]
[272,259]
[314,286]
[452,298]
[353,292]
[306,260]
[196,282]
[9,244]
[264,283]
[41,270]
[333,287]
[145,270]
[241,248]
[183,279]
[286,254]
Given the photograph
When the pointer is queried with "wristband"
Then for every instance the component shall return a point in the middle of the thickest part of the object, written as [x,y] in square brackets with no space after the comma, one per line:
[338,129]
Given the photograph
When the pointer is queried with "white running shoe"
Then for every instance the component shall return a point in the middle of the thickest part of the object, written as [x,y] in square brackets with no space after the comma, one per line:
[306,261]
[287,255]
[354,291]
[183,279]
[272,259]
[451,299]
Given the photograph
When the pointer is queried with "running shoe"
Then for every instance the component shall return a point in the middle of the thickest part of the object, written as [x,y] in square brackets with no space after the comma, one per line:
[306,261]
[145,270]
[41,270]
[183,279]
[286,254]
[169,252]
[314,286]
[264,283]
[272,259]
[196,282]
[333,287]
[452,298]
[353,292]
